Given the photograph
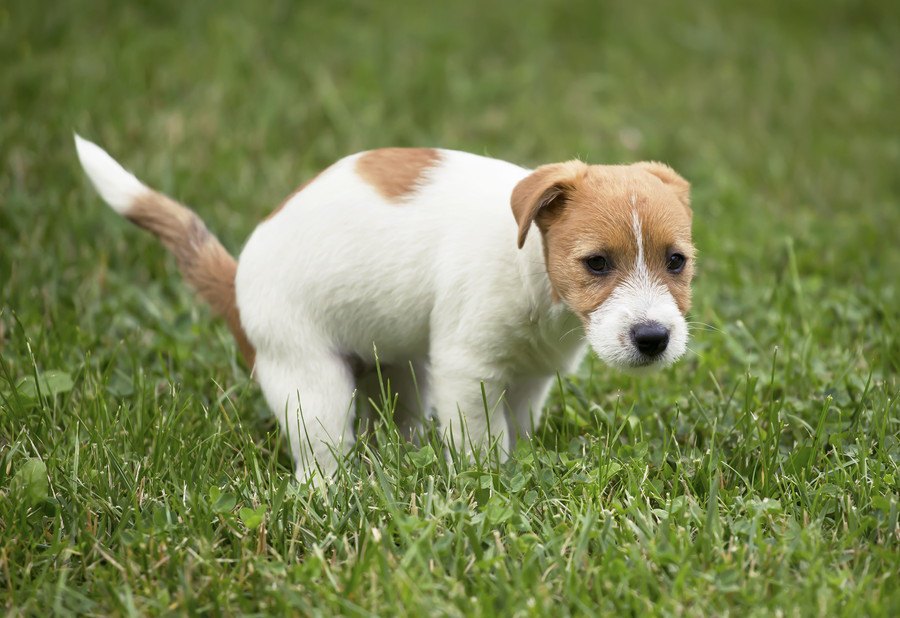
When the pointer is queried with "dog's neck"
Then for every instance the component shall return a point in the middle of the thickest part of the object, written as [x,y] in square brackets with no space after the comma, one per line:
[536,281]
[556,333]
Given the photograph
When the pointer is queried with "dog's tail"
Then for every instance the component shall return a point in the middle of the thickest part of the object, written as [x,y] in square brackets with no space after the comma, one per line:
[205,263]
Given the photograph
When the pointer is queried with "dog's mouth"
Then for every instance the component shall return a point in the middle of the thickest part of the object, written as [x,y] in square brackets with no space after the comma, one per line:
[648,362]
[643,365]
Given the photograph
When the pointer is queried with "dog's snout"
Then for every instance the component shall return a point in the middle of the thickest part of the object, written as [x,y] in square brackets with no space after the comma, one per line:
[650,338]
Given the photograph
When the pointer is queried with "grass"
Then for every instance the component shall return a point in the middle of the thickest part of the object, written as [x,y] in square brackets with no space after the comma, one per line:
[140,472]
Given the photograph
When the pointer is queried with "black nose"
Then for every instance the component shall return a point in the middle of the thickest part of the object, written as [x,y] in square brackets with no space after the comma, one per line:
[651,338]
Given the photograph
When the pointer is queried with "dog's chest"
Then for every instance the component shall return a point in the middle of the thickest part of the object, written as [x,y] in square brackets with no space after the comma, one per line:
[549,342]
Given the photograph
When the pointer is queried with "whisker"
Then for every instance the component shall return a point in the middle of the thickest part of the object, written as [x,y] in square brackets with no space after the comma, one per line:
[693,351]
[704,326]
[570,331]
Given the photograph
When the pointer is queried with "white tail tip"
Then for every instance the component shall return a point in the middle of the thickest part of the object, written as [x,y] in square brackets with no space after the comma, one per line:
[117,186]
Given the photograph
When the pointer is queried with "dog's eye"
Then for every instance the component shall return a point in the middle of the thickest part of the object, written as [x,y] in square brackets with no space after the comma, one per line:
[676,262]
[597,264]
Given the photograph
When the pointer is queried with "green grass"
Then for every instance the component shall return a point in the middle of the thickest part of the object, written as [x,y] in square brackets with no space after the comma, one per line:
[140,471]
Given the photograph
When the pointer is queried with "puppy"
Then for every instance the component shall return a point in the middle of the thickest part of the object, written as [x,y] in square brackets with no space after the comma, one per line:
[473,280]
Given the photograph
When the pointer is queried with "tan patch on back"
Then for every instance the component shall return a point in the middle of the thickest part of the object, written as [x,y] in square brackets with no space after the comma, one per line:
[396,172]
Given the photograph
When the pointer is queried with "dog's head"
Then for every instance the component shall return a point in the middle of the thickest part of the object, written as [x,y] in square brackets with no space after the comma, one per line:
[617,244]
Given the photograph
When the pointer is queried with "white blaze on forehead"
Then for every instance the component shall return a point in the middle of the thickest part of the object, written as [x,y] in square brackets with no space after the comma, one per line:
[640,265]
[640,278]
[640,298]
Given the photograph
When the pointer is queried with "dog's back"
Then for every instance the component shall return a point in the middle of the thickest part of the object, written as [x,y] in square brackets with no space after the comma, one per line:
[369,267]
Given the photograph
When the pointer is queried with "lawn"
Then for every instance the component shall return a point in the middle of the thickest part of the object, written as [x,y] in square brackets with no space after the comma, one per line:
[140,472]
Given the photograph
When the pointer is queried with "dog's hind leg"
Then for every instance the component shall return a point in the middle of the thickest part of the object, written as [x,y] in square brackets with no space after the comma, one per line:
[402,384]
[409,382]
[311,393]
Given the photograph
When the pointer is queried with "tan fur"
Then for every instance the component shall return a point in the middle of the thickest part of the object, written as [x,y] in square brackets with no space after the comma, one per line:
[202,259]
[396,172]
[670,177]
[584,211]
[544,188]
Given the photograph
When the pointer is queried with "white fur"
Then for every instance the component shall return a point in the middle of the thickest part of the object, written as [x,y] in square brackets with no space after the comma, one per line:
[118,187]
[638,299]
[435,280]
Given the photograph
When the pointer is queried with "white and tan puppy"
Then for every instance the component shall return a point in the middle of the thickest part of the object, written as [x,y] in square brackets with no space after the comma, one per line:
[465,273]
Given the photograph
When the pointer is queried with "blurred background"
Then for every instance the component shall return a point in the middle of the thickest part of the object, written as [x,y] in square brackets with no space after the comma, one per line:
[783,116]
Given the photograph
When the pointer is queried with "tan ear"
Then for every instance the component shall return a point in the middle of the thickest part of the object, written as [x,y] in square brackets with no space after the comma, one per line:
[545,186]
[670,177]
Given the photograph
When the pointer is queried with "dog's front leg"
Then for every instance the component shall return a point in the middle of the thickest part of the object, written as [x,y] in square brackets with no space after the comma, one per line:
[465,396]
[526,404]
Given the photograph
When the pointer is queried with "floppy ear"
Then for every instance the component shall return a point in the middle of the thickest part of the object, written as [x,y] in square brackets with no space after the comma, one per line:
[670,177]
[546,186]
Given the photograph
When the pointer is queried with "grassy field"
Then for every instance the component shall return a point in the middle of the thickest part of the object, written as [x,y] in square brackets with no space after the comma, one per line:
[140,472]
